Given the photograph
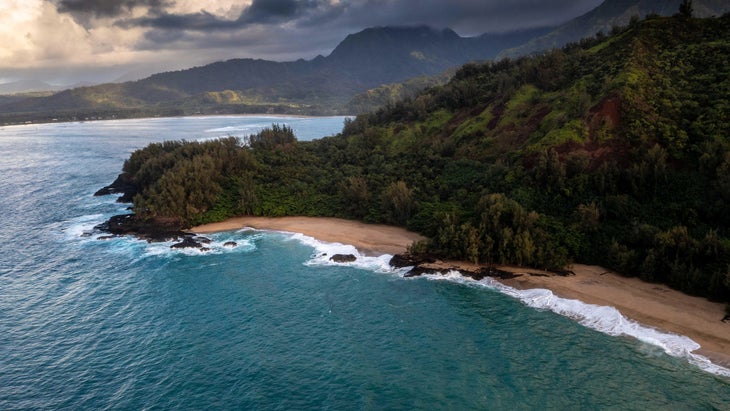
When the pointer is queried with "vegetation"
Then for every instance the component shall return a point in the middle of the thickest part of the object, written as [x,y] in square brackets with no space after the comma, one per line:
[611,151]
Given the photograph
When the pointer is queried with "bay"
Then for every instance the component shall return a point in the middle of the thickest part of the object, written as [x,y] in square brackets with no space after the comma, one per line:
[122,324]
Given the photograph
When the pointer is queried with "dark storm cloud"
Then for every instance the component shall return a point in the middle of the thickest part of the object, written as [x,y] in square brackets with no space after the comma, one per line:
[259,12]
[201,21]
[472,16]
[107,8]
[290,29]
[272,10]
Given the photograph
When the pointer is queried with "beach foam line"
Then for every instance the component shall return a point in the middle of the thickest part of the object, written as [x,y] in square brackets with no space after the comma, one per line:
[604,319]
[325,250]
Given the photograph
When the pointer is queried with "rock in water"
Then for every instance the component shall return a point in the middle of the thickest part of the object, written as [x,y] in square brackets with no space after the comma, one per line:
[343,258]
[230,244]
[188,242]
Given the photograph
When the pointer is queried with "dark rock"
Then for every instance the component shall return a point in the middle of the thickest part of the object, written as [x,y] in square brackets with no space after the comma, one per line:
[476,274]
[343,258]
[203,240]
[122,185]
[409,260]
[153,230]
[204,249]
[497,273]
[188,242]
[106,237]
[418,271]
[230,244]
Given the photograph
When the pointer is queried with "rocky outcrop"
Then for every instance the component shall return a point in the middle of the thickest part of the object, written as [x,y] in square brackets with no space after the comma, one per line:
[426,264]
[343,258]
[410,260]
[230,244]
[122,185]
[153,230]
[188,242]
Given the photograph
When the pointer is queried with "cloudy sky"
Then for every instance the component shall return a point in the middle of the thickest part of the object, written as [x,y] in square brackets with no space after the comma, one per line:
[66,41]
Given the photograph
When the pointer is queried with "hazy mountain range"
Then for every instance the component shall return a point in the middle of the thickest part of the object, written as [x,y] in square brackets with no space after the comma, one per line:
[362,61]
[338,83]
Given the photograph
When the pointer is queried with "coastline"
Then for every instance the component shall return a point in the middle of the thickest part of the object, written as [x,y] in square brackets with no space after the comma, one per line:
[148,117]
[370,239]
[650,304]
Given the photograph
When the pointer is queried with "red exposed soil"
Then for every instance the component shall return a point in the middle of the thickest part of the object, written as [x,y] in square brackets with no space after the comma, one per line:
[606,112]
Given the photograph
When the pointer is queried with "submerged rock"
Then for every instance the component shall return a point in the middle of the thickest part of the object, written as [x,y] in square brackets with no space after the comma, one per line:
[343,258]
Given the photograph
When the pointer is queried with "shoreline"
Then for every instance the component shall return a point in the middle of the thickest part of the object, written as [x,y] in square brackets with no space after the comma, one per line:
[653,305]
[40,122]
[369,239]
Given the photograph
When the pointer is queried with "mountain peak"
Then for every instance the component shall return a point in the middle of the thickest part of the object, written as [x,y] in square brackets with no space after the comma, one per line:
[392,37]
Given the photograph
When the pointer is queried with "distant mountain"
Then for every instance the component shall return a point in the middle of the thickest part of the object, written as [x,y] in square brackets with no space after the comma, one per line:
[611,13]
[362,61]
[26,86]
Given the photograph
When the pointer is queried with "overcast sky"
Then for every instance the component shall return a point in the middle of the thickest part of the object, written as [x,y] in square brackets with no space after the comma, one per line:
[67,41]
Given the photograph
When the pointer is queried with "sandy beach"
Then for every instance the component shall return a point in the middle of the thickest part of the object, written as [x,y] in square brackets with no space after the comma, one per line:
[369,239]
[650,304]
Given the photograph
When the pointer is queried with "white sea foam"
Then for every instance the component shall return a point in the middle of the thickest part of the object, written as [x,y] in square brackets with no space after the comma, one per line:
[229,130]
[215,247]
[324,251]
[605,319]
[82,226]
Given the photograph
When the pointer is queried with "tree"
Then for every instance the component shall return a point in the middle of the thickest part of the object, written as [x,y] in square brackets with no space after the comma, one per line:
[685,8]
[398,202]
[355,193]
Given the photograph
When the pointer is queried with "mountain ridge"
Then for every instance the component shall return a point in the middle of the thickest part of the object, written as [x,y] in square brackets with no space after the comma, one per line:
[361,61]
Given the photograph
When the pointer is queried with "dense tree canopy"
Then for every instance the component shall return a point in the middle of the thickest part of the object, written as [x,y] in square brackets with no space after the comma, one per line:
[612,151]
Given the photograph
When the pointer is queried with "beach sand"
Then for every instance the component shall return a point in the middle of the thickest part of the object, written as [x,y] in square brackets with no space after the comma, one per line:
[650,304]
[369,239]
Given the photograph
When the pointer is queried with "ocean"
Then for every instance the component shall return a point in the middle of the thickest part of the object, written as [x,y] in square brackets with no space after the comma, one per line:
[270,324]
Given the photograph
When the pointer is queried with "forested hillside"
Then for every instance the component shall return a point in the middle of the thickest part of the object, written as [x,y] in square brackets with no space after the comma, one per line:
[612,151]
[610,14]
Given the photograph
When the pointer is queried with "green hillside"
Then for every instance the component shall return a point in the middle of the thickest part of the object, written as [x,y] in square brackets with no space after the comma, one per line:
[610,14]
[613,151]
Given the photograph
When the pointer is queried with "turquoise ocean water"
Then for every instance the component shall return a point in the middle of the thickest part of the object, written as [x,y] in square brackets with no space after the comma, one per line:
[122,324]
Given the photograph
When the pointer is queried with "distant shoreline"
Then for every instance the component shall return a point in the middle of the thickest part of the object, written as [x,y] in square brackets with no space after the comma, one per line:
[31,123]
[650,304]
